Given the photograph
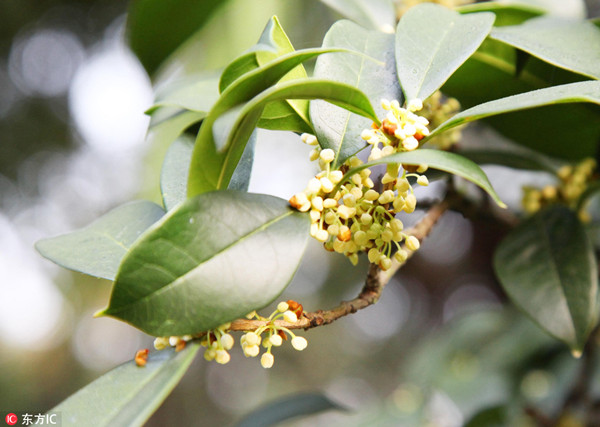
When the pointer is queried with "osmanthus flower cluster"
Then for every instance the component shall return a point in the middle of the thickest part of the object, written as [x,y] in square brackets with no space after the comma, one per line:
[572,183]
[219,341]
[357,216]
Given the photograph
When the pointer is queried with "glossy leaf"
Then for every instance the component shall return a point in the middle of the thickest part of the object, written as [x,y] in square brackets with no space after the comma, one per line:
[129,394]
[432,42]
[98,249]
[241,90]
[283,409]
[155,28]
[512,159]
[575,92]
[572,45]
[547,267]
[212,259]
[374,73]
[378,15]
[436,159]
[495,67]
[176,167]
[232,129]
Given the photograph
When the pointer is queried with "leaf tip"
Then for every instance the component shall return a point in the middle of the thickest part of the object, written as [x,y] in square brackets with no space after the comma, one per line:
[101,313]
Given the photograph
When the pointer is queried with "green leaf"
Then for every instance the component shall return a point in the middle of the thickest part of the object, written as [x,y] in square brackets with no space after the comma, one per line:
[494,67]
[512,159]
[378,15]
[288,407]
[229,126]
[575,92]
[176,167]
[507,13]
[214,258]
[241,90]
[432,42]
[548,269]
[435,159]
[572,45]
[284,115]
[195,93]
[374,73]
[98,249]
[240,180]
[128,395]
[232,129]
[296,111]
[240,66]
[155,28]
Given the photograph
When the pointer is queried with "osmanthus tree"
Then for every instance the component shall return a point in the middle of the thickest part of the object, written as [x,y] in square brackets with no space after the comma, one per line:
[384,91]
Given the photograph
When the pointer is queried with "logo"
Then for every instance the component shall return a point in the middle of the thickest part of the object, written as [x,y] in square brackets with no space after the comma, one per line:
[11,419]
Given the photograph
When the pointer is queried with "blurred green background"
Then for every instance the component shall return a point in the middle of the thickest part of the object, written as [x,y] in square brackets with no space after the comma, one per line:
[439,346]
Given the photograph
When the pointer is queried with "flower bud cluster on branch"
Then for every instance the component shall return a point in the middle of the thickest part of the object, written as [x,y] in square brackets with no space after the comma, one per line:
[356,217]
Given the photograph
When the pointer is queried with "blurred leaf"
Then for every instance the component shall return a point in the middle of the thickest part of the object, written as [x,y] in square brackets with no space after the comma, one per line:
[156,28]
[373,14]
[548,269]
[575,92]
[206,166]
[507,13]
[495,416]
[176,167]
[214,258]
[288,407]
[511,159]
[374,73]
[129,394]
[98,249]
[432,42]
[436,159]
[573,45]
[195,93]
[231,130]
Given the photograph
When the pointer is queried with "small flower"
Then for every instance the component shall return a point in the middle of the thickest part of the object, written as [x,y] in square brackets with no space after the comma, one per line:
[222,357]
[251,350]
[161,343]
[299,343]
[267,360]
[327,155]
[282,307]
[290,316]
[414,104]
[251,338]
[227,341]
[275,340]
[422,180]
[412,243]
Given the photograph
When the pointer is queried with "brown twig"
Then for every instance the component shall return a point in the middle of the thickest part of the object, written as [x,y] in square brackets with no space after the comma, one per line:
[370,293]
